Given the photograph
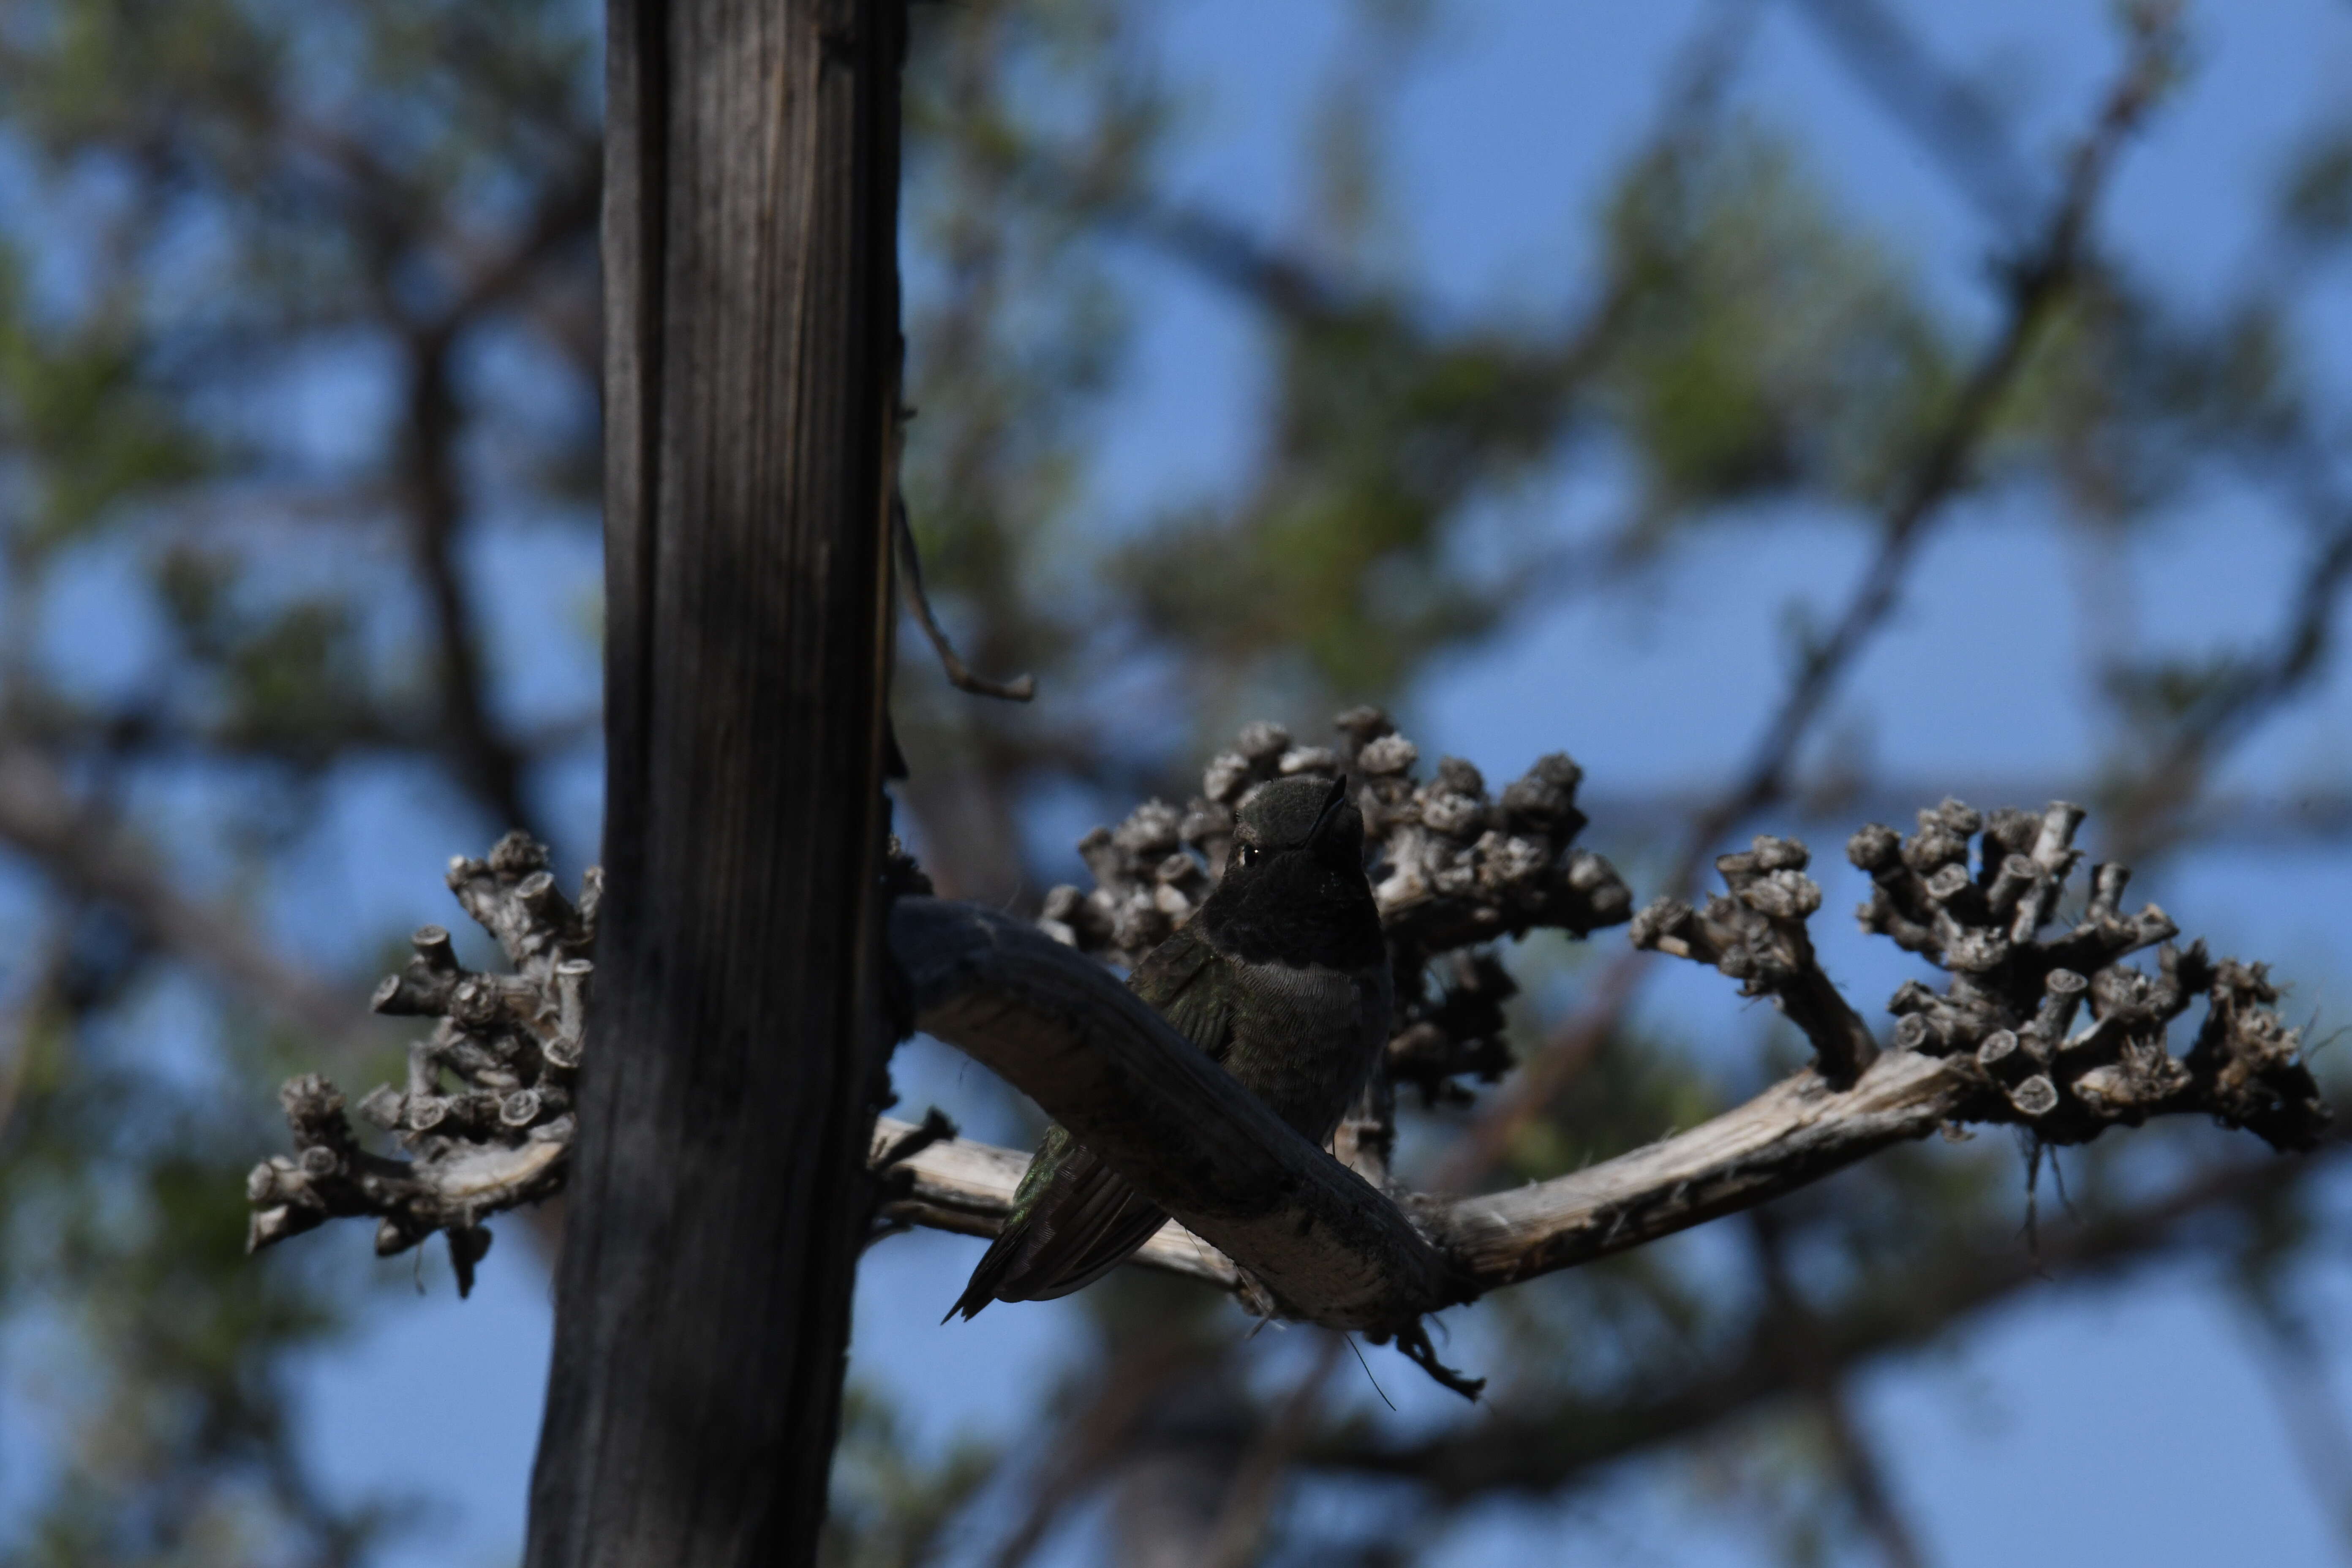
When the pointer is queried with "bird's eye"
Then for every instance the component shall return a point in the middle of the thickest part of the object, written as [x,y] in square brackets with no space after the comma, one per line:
[1246,856]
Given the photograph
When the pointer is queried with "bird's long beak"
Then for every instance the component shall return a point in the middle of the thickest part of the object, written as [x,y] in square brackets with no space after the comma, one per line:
[1331,805]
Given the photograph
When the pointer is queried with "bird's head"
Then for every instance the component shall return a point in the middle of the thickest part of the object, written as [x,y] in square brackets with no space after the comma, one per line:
[1294,888]
[1306,817]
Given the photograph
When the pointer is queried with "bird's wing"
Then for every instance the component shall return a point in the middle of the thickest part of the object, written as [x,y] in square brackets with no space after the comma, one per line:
[1192,992]
[1075,1219]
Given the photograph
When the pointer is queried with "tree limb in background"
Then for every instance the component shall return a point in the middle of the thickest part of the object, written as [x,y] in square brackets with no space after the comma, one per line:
[1096,1438]
[2038,282]
[1789,1317]
[1950,118]
[2247,691]
[2293,1363]
[490,764]
[39,816]
[1237,1533]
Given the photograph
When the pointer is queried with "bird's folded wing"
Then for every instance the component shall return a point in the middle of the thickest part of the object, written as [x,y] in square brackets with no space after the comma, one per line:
[1181,981]
[1085,1219]
[1085,1225]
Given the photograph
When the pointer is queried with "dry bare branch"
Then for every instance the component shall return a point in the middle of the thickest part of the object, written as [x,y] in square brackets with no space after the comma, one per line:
[1303,1232]
[501,1135]
[1758,936]
[1003,1002]
[1541,1444]
[1998,1045]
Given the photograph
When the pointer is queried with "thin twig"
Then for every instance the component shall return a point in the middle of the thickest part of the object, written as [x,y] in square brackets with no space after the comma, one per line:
[2254,691]
[1019,690]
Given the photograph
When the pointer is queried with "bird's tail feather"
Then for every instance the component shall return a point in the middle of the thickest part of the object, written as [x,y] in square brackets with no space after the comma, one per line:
[994,1265]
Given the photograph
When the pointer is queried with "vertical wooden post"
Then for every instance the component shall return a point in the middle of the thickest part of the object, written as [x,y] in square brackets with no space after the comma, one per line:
[719,1198]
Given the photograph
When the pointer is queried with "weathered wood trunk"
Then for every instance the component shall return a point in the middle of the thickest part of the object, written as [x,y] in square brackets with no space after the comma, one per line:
[718,1204]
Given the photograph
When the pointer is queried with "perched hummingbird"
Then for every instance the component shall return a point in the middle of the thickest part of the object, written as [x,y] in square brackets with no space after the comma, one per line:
[1281,976]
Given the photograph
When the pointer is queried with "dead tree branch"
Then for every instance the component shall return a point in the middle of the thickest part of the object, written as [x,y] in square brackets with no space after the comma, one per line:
[1184,1134]
[502,1137]
[1540,1445]
[1759,937]
[1997,1044]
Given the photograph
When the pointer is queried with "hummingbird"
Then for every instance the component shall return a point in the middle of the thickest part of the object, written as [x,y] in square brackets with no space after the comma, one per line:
[1281,976]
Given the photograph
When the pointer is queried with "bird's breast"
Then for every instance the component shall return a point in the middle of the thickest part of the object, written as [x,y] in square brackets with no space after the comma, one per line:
[1304,1035]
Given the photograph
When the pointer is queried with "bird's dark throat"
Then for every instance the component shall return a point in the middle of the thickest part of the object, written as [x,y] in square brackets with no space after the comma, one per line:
[1299,910]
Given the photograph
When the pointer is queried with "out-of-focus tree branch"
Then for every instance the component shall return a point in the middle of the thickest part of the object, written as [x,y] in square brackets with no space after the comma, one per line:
[1852,1459]
[39,818]
[1097,1438]
[2294,1362]
[1947,116]
[2038,283]
[1864,1478]
[1237,1533]
[2315,816]
[486,759]
[2250,690]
